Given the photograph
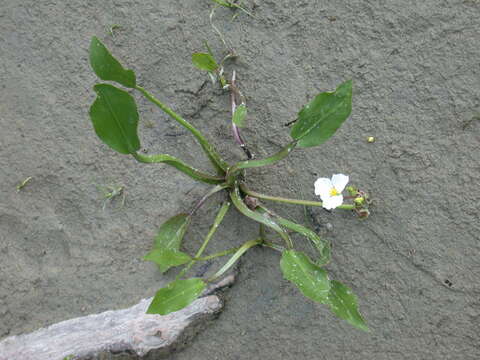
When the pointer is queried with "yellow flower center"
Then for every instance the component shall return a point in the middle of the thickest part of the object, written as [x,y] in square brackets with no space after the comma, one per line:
[334,192]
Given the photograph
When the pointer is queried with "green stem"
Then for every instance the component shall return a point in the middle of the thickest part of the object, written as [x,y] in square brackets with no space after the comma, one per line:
[273,246]
[180,165]
[211,152]
[235,257]
[261,232]
[282,154]
[322,246]
[214,190]
[218,254]
[264,219]
[255,194]
[218,219]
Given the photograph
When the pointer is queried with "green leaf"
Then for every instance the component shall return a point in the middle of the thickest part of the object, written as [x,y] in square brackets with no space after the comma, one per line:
[325,254]
[175,296]
[167,257]
[343,303]
[311,279]
[319,119]
[170,235]
[180,165]
[239,115]
[115,118]
[204,61]
[107,67]
[321,245]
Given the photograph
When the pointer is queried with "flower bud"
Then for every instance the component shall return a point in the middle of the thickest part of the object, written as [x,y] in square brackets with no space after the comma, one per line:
[352,190]
[359,200]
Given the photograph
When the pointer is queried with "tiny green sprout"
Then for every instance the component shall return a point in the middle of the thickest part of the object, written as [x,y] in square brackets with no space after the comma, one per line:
[149,124]
[111,192]
[111,29]
[22,183]
[370,139]
[233,5]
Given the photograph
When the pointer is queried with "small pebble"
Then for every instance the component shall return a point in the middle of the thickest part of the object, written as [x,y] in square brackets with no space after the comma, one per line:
[329,226]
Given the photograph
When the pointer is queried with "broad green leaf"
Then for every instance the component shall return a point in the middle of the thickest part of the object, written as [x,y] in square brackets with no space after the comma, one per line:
[311,279]
[107,67]
[115,118]
[321,245]
[204,61]
[175,296]
[167,257]
[319,119]
[239,115]
[180,165]
[170,235]
[343,303]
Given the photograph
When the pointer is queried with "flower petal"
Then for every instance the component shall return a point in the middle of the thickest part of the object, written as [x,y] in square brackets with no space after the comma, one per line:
[339,181]
[323,187]
[332,202]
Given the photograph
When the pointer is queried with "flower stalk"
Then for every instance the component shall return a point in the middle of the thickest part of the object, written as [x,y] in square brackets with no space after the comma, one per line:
[258,195]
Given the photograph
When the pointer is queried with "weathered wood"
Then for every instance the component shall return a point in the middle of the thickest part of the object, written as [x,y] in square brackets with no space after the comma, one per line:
[119,334]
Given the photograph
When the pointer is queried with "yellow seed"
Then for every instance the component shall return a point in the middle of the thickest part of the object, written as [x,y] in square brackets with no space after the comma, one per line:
[370,139]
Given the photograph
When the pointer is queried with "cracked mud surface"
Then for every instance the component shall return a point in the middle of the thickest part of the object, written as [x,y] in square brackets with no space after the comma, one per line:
[414,264]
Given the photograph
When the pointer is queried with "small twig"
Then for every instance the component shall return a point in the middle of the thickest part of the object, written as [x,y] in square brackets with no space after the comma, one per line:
[290,123]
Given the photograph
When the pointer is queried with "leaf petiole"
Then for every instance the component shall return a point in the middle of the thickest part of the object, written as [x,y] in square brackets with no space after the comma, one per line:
[218,254]
[218,219]
[264,219]
[220,165]
[282,154]
[322,246]
[206,196]
[235,257]
[179,165]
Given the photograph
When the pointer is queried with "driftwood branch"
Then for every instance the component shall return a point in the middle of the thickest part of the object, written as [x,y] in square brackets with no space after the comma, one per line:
[125,334]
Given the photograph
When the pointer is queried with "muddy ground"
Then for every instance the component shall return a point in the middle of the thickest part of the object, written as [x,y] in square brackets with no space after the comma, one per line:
[414,263]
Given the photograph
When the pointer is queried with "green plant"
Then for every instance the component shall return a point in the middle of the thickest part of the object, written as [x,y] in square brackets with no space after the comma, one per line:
[111,192]
[115,118]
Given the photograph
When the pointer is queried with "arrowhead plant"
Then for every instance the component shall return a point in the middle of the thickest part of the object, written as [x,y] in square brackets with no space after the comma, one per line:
[115,117]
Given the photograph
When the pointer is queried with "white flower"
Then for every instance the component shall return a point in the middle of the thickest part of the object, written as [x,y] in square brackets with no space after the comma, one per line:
[330,190]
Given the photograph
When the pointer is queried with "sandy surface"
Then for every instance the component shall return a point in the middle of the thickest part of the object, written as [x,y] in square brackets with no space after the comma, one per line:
[417,90]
